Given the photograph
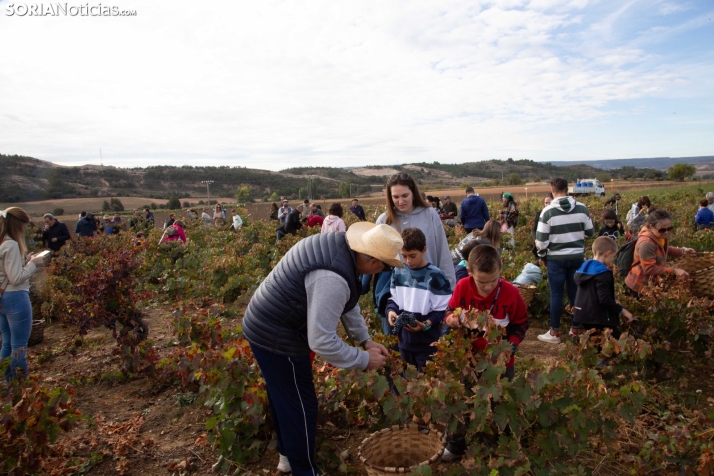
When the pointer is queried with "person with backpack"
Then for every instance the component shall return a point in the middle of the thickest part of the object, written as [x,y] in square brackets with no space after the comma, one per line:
[651,251]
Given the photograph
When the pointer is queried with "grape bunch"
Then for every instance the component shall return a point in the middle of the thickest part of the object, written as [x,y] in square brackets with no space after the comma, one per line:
[404,319]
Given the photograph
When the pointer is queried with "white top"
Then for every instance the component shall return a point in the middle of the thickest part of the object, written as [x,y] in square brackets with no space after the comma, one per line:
[12,265]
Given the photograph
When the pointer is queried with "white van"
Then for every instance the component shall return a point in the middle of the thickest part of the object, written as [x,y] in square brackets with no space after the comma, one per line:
[587,187]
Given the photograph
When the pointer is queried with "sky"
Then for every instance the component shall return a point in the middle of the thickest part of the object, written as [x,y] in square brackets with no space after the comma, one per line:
[277,84]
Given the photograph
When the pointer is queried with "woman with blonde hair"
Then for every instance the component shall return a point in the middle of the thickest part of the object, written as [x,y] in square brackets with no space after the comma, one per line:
[15,273]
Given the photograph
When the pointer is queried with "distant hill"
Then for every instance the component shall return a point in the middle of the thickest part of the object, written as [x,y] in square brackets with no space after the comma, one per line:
[28,179]
[658,163]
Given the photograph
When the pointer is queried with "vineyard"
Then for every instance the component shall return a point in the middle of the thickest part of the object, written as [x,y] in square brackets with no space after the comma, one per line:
[144,370]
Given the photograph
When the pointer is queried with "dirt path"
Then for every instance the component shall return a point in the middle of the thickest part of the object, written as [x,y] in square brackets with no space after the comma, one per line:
[167,425]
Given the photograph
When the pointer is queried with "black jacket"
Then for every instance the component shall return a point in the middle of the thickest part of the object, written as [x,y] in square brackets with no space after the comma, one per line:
[292,222]
[58,230]
[595,302]
[86,227]
[276,317]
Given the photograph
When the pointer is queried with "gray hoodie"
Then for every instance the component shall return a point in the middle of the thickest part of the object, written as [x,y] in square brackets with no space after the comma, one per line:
[437,248]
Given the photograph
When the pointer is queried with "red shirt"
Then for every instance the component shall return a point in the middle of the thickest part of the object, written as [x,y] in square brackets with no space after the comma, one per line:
[509,311]
[314,220]
[179,234]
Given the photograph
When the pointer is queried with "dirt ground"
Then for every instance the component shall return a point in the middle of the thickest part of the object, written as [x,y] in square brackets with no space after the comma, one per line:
[166,432]
[165,428]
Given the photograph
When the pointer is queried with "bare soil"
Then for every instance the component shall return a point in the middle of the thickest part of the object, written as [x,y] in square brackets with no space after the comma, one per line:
[167,433]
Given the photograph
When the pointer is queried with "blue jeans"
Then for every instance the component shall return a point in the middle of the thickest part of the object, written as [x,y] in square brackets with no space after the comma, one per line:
[386,327]
[561,274]
[293,406]
[16,326]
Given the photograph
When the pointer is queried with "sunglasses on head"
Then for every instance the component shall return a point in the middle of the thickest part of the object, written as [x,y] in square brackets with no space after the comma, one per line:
[401,176]
[665,230]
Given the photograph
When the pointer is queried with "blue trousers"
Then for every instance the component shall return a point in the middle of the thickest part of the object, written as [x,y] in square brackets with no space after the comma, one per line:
[293,407]
[386,327]
[16,326]
[417,358]
[561,274]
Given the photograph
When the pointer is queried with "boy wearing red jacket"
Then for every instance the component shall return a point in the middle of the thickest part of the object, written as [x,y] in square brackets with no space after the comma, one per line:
[486,291]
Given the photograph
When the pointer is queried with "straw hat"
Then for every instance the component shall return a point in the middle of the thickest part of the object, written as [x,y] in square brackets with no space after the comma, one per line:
[378,241]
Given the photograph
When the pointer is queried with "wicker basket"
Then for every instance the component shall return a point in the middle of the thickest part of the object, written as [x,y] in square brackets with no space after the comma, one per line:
[527,292]
[702,282]
[37,334]
[400,450]
[701,273]
[695,263]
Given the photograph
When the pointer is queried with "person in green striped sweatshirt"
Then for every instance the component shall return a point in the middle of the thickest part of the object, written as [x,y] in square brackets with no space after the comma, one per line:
[560,239]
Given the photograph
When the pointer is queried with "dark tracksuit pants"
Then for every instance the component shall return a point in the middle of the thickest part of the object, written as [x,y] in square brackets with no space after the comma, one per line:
[293,407]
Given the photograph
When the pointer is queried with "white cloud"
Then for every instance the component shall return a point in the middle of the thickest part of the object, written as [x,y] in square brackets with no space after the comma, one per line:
[668,8]
[275,84]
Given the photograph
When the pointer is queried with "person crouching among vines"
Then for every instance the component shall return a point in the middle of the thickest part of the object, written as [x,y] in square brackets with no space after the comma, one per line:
[297,309]
[651,252]
[486,291]
[421,291]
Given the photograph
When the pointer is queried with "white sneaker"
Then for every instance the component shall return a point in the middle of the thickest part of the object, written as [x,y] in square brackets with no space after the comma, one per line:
[573,333]
[547,337]
[448,456]
[284,464]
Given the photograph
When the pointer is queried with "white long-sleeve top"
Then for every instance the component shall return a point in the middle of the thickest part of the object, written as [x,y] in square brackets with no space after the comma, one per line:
[12,266]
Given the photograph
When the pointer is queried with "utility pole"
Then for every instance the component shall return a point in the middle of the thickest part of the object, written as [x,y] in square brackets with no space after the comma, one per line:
[101,158]
[208,190]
